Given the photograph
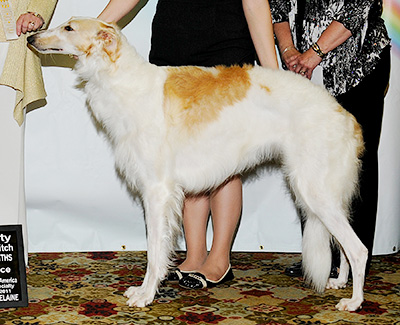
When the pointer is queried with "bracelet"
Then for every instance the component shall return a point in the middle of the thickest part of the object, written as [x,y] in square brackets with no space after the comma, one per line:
[318,50]
[36,15]
[287,49]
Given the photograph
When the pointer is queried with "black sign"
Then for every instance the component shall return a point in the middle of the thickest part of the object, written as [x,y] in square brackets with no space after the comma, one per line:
[13,288]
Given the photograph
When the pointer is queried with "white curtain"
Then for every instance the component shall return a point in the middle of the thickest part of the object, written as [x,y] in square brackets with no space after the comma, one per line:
[76,202]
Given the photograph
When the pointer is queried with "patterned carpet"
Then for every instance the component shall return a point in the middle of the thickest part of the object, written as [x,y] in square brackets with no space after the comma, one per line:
[87,288]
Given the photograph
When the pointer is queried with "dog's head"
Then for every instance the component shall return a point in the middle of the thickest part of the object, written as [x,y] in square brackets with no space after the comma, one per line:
[81,37]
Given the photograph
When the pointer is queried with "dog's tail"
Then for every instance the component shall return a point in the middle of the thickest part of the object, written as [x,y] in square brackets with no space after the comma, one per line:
[317,256]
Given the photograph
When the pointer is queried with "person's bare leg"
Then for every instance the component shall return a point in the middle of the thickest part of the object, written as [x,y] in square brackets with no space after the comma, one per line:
[195,217]
[226,206]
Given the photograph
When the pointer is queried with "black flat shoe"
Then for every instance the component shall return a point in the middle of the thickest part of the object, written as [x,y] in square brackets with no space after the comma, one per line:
[199,281]
[176,274]
[296,270]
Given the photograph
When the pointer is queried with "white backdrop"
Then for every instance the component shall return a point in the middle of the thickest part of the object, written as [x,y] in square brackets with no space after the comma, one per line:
[76,202]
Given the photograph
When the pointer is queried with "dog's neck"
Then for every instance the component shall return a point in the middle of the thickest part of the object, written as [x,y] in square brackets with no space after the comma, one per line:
[127,60]
[110,86]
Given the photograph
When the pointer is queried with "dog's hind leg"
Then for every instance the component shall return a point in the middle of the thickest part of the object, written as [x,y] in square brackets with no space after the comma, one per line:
[357,255]
[317,257]
[324,195]
[163,208]
[337,224]
[344,269]
[323,176]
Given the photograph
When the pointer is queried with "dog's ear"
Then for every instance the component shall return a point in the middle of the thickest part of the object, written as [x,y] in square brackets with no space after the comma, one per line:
[110,41]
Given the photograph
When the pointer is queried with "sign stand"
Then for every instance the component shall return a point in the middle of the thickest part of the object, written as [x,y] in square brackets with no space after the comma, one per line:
[13,286]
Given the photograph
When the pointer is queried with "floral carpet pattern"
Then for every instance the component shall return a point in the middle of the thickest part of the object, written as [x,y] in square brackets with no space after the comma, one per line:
[87,288]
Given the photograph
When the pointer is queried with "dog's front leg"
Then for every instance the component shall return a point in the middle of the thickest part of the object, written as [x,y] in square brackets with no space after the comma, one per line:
[163,210]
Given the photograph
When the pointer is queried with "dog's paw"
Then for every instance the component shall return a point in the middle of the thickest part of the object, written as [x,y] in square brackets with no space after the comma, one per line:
[352,304]
[138,297]
[336,284]
[133,291]
[140,300]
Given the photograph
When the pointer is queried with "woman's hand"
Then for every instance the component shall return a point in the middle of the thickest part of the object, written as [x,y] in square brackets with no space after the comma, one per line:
[290,56]
[304,63]
[28,22]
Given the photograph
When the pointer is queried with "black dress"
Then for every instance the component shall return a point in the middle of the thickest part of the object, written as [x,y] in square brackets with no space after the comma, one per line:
[200,32]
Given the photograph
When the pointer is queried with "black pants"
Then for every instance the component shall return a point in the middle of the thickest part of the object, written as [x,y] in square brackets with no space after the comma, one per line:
[365,102]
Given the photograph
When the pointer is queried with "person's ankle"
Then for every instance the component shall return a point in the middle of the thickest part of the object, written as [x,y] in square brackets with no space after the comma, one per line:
[188,266]
[214,271]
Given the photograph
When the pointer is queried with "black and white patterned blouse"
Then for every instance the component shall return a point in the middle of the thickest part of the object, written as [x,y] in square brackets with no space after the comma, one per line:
[345,66]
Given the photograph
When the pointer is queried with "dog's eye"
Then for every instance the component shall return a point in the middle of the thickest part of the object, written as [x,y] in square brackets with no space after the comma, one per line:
[68,28]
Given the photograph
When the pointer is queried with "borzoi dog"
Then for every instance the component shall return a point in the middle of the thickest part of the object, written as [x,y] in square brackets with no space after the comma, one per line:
[179,131]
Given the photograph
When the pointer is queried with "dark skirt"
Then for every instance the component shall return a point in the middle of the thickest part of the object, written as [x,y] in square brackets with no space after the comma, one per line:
[200,32]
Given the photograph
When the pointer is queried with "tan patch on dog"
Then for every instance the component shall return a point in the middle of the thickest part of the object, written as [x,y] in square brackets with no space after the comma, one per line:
[267,89]
[359,136]
[357,131]
[195,95]
[106,35]
[111,42]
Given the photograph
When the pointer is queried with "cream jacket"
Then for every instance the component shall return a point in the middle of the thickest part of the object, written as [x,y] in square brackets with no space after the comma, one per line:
[22,70]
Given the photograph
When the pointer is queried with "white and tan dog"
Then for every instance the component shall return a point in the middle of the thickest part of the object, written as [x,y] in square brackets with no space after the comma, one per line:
[178,131]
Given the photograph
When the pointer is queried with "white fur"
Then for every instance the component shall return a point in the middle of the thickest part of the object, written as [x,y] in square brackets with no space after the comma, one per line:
[292,120]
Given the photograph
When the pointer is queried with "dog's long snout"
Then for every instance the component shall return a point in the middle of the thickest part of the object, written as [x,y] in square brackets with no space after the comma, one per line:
[43,43]
[32,40]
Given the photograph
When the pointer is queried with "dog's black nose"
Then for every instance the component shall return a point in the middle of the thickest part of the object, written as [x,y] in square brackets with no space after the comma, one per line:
[31,39]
